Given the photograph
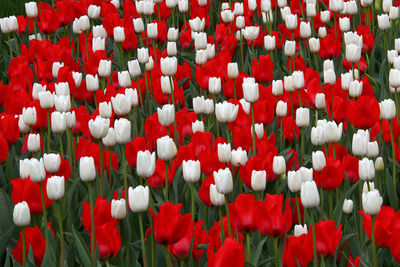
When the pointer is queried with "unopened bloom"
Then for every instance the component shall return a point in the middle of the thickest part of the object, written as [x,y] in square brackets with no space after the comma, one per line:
[122,128]
[309,194]
[279,165]
[99,127]
[223,181]
[191,171]
[118,209]
[145,163]
[21,214]
[258,180]
[55,187]
[87,170]
[166,148]
[52,162]
[138,198]
[372,202]
[348,206]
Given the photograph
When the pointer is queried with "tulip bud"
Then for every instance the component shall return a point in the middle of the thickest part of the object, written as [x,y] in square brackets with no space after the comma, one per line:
[172,35]
[372,202]
[143,55]
[77,76]
[360,143]
[223,181]
[298,79]
[58,122]
[344,24]
[214,85]
[281,109]
[169,66]
[166,115]
[246,107]
[121,104]
[36,89]
[37,172]
[132,95]
[309,195]
[138,198]
[197,126]
[387,109]
[124,79]
[46,100]
[21,214]
[320,101]
[122,129]
[217,199]
[238,157]
[29,115]
[300,229]
[70,119]
[305,30]
[145,163]
[332,132]
[250,33]
[191,171]
[52,162]
[347,206]
[198,105]
[99,32]
[279,165]
[314,45]
[318,160]
[288,83]
[105,110]
[201,57]
[259,129]
[93,11]
[166,148]
[226,112]
[183,6]
[294,181]
[109,140]
[233,70]
[92,82]
[258,180]
[311,10]
[302,117]
[372,149]
[33,143]
[366,169]
[383,22]
[269,42]
[55,187]
[119,34]
[224,152]
[118,209]
[56,67]
[98,43]
[31,9]
[99,127]
[290,48]
[329,76]
[104,69]
[250,90]
[171,49]
[87,170]
[24,168]
[152,31]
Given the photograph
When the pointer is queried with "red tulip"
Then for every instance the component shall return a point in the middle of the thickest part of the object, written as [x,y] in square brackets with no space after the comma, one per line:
[364,112]
[243,213]
[271,219]
[26,190]
[386,225]
[331,176]
[395,246]
[204,192]
[328,237]
[231,253]
[169,215]
[33,239]
[298,250]
[263,69]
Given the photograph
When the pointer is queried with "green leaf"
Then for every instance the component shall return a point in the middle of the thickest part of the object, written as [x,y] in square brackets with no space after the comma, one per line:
[50,258]
[259,251]
[391,190]
[82,250]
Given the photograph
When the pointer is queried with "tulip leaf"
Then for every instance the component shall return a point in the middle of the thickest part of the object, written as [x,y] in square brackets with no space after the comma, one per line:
[6,225]
[82,251]
[391,190]
[50,258]
[259,251]
[339,202]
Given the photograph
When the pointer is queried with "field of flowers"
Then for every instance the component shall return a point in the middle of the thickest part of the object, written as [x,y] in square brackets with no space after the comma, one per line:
[200,133]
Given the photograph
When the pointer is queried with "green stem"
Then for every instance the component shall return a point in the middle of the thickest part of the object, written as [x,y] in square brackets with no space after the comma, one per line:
[9,45]
[315,262]
[61,145]
[140,94]
[92,230]
[166,182]
[142,240]
[86,46]
[48,131]
[254,130]
[276,252]
[44,212]
[173,102]
[373,241]
[125,175]
[221,224]
[60,226]
[393,155]
[331,203]
[248,247]
[23,248]
[298,210]
[227,214]
[101,167]
[166,253]
[192,198]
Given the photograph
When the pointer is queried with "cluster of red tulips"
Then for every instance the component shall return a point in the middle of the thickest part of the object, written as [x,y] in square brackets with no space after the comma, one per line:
[200,133]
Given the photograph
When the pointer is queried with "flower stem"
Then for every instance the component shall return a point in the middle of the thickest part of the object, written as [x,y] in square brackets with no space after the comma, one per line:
[248,247]
[393,155]
[92,230]
[167,261]
[142,240]
[125,175]
[192,197]
[60,225]
[315,262]
[254,130]
[48,131]
[227,215]
[61,145]
[44,212]
[221,225]
[23,248]
[276,252]
[166,182]
[101,167]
